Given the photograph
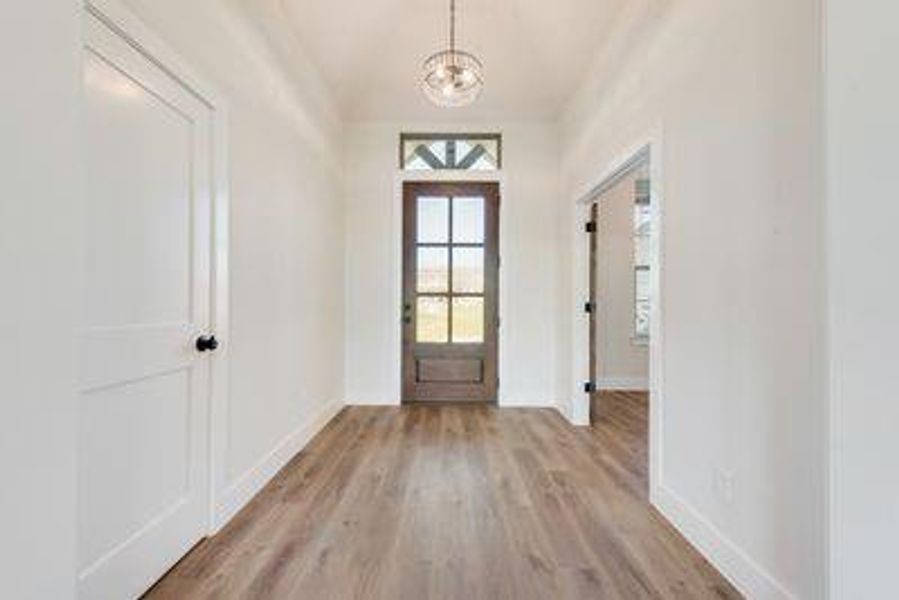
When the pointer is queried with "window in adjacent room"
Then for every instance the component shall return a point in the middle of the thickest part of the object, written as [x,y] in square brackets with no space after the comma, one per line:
[642,241]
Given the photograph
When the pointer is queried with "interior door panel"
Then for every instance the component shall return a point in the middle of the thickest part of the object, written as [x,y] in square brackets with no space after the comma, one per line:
[144,389]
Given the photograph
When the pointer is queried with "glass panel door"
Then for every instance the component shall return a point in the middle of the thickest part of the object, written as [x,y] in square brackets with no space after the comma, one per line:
[450,286]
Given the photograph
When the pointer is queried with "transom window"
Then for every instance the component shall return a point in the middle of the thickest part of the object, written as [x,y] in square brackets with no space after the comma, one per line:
[450,152]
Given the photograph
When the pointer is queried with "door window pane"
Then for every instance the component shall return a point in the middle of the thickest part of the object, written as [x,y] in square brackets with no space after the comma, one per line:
[432,321]
[468,220]
[433,270]
[468,270]
[468,320]
[433,220]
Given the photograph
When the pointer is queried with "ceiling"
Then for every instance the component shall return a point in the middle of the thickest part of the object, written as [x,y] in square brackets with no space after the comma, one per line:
[535,52]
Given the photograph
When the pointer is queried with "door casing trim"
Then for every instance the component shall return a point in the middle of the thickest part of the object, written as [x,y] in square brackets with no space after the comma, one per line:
[648,146]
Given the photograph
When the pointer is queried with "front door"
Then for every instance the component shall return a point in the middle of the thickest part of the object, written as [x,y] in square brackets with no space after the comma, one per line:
[143,410]
[450,292]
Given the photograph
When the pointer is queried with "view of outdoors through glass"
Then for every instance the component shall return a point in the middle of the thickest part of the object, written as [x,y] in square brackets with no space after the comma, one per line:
[642,241]
[450,270]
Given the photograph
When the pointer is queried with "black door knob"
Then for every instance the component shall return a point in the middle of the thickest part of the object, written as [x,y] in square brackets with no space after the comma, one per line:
[207,343]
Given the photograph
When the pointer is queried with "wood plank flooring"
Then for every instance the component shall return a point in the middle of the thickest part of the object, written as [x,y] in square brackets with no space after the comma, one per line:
[455,502]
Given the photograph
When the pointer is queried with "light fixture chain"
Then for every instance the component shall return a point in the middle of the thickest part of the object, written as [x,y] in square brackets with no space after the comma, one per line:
[452,26]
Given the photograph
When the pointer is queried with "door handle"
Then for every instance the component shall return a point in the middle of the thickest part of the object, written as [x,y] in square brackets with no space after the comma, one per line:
[207,343]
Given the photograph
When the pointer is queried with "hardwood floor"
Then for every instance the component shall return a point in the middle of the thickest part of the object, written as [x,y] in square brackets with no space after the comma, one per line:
[455,502]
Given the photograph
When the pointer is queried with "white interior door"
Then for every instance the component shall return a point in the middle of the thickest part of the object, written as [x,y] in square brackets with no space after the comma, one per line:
[144,388]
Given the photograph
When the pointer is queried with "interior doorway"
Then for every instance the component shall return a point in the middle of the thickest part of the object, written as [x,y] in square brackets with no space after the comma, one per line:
[450,292]
[620,285]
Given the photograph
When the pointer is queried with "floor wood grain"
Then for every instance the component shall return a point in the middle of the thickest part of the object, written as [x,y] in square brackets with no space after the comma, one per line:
[455,502]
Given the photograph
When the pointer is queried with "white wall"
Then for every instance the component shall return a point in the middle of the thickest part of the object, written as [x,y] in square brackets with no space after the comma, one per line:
[863,126]
[621,363]
[40,58]
[733,86]
[734,90]
[529,245]
[286,345]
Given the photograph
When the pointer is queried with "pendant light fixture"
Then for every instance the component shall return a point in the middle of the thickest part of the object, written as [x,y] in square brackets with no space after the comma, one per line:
[452,78]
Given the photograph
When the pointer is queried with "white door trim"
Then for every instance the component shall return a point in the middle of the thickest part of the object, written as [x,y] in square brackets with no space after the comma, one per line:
[119,18]
[649,146]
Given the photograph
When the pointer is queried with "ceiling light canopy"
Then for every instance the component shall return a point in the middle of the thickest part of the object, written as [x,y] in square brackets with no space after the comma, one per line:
[452,78]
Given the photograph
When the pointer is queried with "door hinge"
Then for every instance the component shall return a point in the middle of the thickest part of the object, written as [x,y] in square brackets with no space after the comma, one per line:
[589,387]
[590,227]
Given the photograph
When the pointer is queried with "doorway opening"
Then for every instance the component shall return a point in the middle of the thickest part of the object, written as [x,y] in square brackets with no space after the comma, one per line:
[621,235]
[622,280]
[450,292]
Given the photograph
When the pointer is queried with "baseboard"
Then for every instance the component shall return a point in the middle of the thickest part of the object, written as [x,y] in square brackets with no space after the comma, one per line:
[623,383]
[374,403]
[239,494]
[568,414]
[750,578]
[575,422]
[524,403]
[502,403]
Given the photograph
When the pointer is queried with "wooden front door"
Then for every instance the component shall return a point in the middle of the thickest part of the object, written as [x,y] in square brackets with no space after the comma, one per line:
[450,291]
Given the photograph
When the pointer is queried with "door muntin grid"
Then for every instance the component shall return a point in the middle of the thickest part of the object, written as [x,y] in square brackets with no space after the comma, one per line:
[450,269]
